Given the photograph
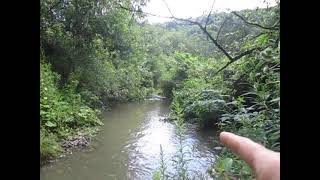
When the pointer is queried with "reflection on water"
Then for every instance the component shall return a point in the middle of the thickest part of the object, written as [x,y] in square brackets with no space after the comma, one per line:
[128,146]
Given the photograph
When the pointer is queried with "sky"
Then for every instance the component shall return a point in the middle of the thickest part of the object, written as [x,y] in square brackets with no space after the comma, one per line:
[194,8]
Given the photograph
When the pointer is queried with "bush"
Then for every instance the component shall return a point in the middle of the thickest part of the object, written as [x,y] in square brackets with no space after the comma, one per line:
[251,109]
[257,110]
[62,111]
[200,106]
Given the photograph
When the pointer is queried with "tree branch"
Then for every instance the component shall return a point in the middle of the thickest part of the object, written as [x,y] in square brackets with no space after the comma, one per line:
[225,66]
[231,59]
[215,42]
[221,28]
[255,24]
[137,11]
[245,53]
[168,8]
[207,20]
[239,57]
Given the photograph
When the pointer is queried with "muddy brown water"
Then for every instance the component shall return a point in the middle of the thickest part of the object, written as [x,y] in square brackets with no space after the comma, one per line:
[128,147]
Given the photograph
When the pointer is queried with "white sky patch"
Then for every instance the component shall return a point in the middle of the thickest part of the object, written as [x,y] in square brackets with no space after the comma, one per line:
[195,8]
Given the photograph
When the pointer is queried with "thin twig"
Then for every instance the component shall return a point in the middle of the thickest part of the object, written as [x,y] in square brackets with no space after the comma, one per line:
[146,13]
[168,8]
[207,20]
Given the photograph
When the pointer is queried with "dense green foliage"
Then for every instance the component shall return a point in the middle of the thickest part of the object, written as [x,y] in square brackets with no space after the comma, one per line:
[97,52]
[90,56]
[244,98]
[61,111]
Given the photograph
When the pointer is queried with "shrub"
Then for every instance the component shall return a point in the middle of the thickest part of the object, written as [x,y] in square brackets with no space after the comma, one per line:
[62,111]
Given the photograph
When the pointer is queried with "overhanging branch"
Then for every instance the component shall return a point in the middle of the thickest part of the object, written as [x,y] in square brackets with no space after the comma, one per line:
[203,28]
[255,24]
[239,57]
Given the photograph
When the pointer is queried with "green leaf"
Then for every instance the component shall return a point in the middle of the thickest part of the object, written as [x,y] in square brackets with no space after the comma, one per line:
[227,164]
[50,124]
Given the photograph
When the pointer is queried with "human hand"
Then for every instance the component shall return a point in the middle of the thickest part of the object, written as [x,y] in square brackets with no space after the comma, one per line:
[264,162]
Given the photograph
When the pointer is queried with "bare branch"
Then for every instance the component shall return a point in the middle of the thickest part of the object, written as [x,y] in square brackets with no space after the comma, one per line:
[207,20]
[137,11]
[168,8]
[205,31]
[225,66]
[215,42]
[231,59]
[221,28]
[239,57]
[245,53]
[254,24]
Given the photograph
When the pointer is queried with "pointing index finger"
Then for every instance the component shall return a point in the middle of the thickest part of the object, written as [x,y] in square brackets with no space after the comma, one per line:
[243,147]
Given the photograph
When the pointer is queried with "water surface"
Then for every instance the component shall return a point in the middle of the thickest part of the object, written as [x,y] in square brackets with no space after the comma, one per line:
[128,146]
